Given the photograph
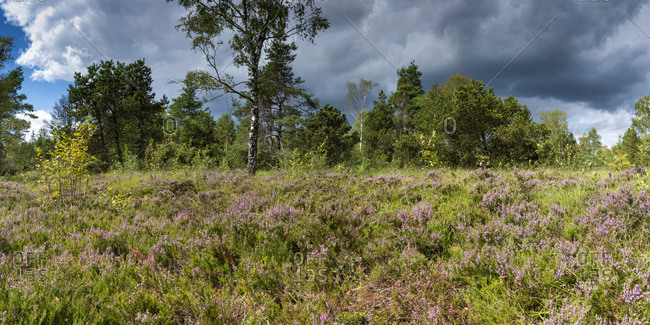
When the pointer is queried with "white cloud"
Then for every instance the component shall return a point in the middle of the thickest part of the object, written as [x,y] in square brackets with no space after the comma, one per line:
[35,124]
[610,125]
[582,118]
[120,30]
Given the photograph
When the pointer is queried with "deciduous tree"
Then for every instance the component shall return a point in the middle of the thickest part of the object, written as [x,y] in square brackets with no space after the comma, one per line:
[357,97]
[630,145]
[253,25]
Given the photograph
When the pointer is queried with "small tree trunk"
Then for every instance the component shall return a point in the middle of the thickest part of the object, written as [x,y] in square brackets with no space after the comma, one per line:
[361,135]
[251,167]
[253,132]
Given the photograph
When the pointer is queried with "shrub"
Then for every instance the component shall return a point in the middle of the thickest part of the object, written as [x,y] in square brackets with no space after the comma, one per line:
[429,153]
[408,149]
[300,164]
[65,172]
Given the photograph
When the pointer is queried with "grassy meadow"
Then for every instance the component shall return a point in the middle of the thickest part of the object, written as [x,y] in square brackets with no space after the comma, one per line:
[381,247]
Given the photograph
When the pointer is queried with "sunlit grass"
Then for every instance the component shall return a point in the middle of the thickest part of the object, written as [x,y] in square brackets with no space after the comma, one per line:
[381,247]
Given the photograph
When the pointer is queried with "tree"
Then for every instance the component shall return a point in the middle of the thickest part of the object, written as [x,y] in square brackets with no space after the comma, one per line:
[407,99]
[253,24]
[196,126]
[560,144]
[517,136]
[379,131]
[120,102]
[436,115]
[225,133]
[462,120]
[630,145]
[641,124]
[12,102]
[199,132]
[187,104]
[98,94]
[644,152]
[65,172]
[63,118]
[476,112]
[409,87]
[591,149]
[331,127]
[284,104]
[407,150]
[140,104]
[357,94]
[641,120]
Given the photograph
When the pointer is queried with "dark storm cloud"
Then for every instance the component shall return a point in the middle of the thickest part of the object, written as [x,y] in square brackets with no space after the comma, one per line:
[565,62]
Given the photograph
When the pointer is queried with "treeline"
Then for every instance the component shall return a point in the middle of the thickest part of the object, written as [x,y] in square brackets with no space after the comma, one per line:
[459,123]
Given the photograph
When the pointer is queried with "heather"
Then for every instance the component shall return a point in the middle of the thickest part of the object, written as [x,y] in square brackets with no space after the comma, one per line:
[441,246]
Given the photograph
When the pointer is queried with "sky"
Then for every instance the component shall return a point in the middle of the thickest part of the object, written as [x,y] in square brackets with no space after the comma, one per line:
[588,58]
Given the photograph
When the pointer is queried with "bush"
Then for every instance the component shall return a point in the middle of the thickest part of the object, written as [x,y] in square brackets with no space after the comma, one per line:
[299,164]
[408,149]
[64,173]
[429,152]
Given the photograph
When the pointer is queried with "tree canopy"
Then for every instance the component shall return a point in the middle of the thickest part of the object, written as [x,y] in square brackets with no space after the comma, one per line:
[253,25]
[12,102]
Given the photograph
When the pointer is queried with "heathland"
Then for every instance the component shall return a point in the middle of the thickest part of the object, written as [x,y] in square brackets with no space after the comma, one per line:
[383,247]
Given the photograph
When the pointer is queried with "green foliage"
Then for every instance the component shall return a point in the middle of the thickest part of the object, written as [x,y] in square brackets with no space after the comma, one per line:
[19,158]
[591,152]
[12,102]
[196,127]
[64,173]
[120,101]
[225,134]
[199,132]
[379,132]
[630,146]
[517,136]
[328,129]
[644,181]
[170,154]
[476,112]
[408,151]
[362,166]
[620,162]
[298,164]
[641,120]
[409,87]
[253,25]
[235,155]
[483,161]
[559,147]
[187,104]
[429,151]
[285,104]
[644,152]
[470,120]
